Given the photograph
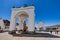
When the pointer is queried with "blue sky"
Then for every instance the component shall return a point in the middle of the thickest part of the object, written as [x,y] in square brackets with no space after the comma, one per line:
[47,11]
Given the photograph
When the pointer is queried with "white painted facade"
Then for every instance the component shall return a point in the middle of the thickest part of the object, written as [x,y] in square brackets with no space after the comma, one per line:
[2,24]
[16,13]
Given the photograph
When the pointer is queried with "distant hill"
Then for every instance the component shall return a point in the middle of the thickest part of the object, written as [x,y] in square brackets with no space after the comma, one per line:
[53,26]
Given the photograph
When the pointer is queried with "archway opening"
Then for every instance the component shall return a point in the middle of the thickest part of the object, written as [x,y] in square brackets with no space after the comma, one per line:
[22,22]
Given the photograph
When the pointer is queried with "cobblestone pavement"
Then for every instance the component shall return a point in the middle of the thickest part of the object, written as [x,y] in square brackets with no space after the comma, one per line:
[6,36]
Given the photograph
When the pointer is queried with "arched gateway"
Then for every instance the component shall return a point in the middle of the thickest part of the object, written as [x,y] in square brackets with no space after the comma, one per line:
[22,14]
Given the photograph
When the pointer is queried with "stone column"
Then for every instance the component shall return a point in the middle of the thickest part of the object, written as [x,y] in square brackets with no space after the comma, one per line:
[12,23]
[20,25]
[31,23]
[22,22]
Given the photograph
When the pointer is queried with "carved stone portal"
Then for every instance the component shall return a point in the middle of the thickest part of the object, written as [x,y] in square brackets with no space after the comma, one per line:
[22,14]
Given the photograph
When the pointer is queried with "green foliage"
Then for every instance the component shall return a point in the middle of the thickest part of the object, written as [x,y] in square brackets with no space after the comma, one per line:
[6,22]
[49,29]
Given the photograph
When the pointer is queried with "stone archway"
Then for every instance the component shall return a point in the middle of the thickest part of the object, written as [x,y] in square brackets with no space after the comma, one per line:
[22,14]
[22,25]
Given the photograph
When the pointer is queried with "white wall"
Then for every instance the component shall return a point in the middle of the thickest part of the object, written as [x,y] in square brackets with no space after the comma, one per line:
[2,24]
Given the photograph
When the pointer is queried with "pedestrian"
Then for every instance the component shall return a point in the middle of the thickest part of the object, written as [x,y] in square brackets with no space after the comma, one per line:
[51,32]
[57,32]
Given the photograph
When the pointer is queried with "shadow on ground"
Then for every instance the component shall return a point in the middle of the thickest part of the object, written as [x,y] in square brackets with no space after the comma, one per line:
[36,35]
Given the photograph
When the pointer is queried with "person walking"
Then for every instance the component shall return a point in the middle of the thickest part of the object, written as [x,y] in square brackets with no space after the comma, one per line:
[51,32]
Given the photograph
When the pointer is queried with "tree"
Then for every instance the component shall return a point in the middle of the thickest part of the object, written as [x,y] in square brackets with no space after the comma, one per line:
[6,23]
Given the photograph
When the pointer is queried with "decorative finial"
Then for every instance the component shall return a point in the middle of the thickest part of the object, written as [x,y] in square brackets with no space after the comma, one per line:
[13,6]
[32,4]
[25,5]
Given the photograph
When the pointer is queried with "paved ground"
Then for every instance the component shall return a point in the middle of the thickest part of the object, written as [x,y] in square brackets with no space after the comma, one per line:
[6,36]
